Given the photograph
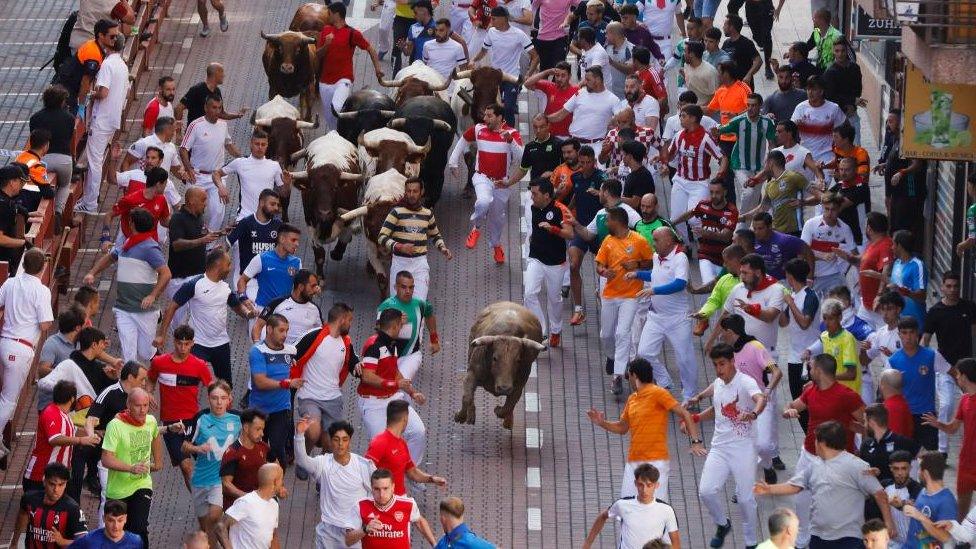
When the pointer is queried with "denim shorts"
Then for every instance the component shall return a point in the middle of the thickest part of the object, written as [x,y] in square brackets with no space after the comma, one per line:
[706,8]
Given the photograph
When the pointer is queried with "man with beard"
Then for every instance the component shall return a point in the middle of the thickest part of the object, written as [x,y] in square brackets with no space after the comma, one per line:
[782,102]
[418,314]
[541,156]
[298,307]
[759,299]
[254,234]
[160,105]
[557,92]
[562,175]
[592,109]
[406,231]
[446,52]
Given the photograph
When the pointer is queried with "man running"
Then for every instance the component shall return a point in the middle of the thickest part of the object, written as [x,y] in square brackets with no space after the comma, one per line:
[549,232]
[642,518]
[715,220]
[202,154]
[254,174]
[386,517]
[418,314]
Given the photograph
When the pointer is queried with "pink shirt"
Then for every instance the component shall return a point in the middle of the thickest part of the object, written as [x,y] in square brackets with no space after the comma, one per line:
[552,13]
[752,361]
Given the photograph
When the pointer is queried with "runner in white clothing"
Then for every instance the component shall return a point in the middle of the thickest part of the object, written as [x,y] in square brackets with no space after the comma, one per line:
[254,174]
[506,44]
[445,53]
[110,89]
[592,109]
[642,519]
[207,139]
[592,54]
[343,478]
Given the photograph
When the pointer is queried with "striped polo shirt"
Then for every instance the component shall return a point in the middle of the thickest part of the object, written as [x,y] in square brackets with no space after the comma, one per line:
[136,274]
[408,226]
[752,137]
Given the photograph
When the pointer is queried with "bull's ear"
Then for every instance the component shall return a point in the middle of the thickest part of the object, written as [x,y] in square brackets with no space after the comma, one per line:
[300,184]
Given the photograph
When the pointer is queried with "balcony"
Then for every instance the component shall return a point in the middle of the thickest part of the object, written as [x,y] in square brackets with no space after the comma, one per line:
[938,36]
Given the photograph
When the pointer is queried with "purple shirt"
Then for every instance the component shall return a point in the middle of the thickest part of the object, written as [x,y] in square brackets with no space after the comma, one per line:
[776,251]
[640,36]
[552,13]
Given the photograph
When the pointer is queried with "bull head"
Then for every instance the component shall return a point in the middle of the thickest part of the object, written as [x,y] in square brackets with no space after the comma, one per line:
[529,343]
[276,39]
[504,356]
[400,123]
[351,115]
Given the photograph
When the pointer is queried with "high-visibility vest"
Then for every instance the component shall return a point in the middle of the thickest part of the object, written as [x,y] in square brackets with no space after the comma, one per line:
[35,167]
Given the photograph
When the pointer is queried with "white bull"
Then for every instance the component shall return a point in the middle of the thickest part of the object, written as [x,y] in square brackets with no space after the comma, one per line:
[385,148]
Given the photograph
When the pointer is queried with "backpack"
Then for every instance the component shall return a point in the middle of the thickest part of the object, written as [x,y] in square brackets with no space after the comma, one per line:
[62,50]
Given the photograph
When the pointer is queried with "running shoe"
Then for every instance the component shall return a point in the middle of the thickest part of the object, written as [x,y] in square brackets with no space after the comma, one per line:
[473,237]
[499,255]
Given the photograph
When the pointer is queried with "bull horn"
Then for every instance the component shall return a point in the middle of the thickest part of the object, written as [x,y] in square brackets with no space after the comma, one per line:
[271,37]
[349,216]
[309,39]
[441,125]
[461,75]
[416,149]
[391,83]
[509,78]
[397,123]
[299,175]
[295,156]
[261,122]
[532,344]
[348,114]
[485,340]
[347,176]
[387,114]
[305,125]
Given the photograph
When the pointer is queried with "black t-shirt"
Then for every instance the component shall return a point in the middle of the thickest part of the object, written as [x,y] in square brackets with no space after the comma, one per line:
[252,238]
[110,402]
[61,125]
[65,516]
[195,99]
[876,452]
[192,261]
[638,183]
[860,195]
[742,51]
[544,246]
[8,224]
[953,326]
[93,370]
[541,157]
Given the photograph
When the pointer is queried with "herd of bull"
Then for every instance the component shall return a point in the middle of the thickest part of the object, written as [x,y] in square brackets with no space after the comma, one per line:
[358,171]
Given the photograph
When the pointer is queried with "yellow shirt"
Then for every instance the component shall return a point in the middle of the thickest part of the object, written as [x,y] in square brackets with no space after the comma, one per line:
[843,347]
[646,413]
[614,253]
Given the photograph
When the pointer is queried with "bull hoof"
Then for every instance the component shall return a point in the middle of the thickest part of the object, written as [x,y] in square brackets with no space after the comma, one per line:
[508,421]
[464,417]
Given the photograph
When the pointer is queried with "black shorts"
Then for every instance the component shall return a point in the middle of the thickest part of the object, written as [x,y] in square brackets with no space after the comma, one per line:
[578,242]
[174,443]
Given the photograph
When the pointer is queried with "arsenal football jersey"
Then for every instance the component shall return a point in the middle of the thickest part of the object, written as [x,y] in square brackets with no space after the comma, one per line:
[396,517]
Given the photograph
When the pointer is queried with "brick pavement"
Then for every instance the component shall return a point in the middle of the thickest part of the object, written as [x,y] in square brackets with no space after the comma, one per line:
[539,485]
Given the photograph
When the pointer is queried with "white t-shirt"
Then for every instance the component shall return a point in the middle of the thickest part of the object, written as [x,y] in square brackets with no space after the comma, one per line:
[257,519]
[342,487]
[591,113]
[517,8]
[444,57]
[796,156]
[254,175]
[205,141]
[302,317]
[620,54]
[123,179]
[731,399]
[883,337]
[505,48]
[26,302]
[770,297]
[659,17]
[113,75]
[597,57]
[800,339]
[138,151]
[207,302]
[647,106]
[673,125]
[823,239]
[816,126]
[322,373]
[673,267]
[643,522]
[632,217]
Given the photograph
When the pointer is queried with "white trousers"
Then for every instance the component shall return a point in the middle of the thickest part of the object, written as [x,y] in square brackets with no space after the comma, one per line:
[103,480]
[214,215]
[677,330]
[948,393]
[180,317]
[767,432]
[373,411]
[616,320]
[98,141]
[328,536]
[333,97]
[640,317]
[629,490]
[722,462]
[747,197]
[535,273]
[16,358]
[708,270]
[490,203]
[384,39]
[410,364]
[416,266]
[685,195]
[136,333]
[804,500]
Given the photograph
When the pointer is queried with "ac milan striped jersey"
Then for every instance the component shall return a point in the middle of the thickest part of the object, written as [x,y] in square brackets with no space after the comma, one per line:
[714,221]
[694,151]
[494,154]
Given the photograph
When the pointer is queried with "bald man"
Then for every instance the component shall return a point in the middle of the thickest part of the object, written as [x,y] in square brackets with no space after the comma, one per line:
[131,450]
[252,521]
[196,97]
[667,315]
[650,221]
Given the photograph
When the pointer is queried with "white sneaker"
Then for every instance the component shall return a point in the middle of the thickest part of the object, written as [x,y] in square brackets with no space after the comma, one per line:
[4,451]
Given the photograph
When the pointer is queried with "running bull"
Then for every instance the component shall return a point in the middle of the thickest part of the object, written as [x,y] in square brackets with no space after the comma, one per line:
[428,119]
[504,342]
[281,121]
[289,62]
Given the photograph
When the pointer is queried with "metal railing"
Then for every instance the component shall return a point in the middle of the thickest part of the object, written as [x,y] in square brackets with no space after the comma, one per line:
[939,22]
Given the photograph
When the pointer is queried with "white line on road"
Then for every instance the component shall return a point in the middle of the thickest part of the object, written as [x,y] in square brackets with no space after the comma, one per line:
[533,477]
[26,433]
[531,402]
[27,43]
[178,68]
[10,486]
[534,518]
[19,94]
[187,42]
[533,437]
[533,372]
[25,68]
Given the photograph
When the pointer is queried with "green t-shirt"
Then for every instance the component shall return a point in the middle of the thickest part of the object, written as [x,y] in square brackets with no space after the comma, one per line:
[646,229]
[131,445]
[408,340]
[723,287]
[781,191]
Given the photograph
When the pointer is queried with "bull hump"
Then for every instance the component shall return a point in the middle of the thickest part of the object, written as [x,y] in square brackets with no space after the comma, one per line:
[277,107]
[379,135]
[387,186]
[333,150]
[507,318]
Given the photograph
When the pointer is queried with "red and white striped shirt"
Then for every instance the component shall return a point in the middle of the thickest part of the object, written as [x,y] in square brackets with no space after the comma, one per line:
[51,424]
[694,151]
[152,113]
[494,154]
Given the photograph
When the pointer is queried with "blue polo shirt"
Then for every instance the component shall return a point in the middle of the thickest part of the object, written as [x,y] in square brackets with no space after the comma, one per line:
[911,276]
[220,432]
[274,275]
[277,366]
[96,539]
[420,35]
[918,377]
[462,538]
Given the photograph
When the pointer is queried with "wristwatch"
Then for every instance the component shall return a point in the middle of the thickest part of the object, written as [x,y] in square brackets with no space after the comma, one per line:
[696,441]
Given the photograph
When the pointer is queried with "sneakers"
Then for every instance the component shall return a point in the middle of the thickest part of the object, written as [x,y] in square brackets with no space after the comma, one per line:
[204,32]
[769,73]
[473,237]
[700,327]
[578,317]
[609,366]
[301,473]
[4,451]
[718,539]
[554,340]
[93,485]
[778,464]
[769,475]
[617,385]
[224,26]
[499,255]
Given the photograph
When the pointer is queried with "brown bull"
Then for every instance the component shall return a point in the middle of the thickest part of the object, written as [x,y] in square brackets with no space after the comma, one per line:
[310,18]
[504,342]
[392,149]
[289,63]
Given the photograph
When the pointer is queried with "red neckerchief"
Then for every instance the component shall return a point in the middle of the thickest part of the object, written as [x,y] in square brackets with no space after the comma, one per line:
[764,283]
[127,418]
[135,239]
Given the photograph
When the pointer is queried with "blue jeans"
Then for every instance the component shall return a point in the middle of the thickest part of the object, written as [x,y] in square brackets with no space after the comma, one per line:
[510,93]
[706,8]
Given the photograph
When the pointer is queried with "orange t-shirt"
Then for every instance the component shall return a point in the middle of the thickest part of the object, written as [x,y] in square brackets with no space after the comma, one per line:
[562,177]
[730,101]
[646,412]
[860,155]
[613,253]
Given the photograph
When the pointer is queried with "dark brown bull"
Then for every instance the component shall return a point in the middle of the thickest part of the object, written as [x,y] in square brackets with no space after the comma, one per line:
[412,86]
[310,18]
[504,342]
[289,63]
